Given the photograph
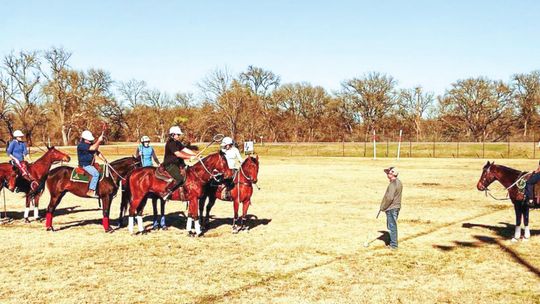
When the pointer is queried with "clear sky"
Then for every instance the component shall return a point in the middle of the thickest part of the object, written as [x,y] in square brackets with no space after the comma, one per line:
[173,44]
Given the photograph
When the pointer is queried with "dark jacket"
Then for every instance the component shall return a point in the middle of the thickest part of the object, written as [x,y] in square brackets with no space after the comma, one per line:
[392,197]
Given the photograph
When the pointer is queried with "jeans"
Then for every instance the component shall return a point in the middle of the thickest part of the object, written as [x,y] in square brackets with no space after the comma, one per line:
[95,176]
[391,224]
[529,189]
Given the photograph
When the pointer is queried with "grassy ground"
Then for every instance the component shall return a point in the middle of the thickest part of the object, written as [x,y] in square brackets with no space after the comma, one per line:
[305,246]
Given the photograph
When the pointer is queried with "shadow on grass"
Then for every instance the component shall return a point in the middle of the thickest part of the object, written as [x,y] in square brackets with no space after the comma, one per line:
[504,232]
[19,215]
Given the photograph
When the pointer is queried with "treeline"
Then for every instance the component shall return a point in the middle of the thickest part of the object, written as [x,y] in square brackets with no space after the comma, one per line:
[49,100]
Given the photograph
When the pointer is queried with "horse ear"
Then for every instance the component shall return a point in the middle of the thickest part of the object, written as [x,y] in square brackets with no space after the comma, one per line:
[257,156]
[487,164]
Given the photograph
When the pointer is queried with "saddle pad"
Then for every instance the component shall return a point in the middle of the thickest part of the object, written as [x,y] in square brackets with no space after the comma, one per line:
[85,177]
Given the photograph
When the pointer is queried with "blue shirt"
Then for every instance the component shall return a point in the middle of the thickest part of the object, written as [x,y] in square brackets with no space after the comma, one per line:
[17,149]
[146,155]
[84,154]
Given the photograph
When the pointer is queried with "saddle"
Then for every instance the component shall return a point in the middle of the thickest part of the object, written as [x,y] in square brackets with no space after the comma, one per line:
[162,174]
[78,174]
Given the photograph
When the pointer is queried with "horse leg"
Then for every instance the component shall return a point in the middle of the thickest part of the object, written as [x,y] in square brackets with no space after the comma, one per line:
[518,209]
[106,210]
[36,207]
[235,206]
[124,201]
[527,233]
[155,223]
[211,202]
[194,217]
[53,203]
[201,210]
[140,210]
[162,223]
[245,206]
[27,209]
[133,206]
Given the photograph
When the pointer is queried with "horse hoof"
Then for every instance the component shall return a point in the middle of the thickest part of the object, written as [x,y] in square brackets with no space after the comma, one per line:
[50,229]
[525,240]
[155,227]
[514,240]
[26,220]
[164,228]
[40,219]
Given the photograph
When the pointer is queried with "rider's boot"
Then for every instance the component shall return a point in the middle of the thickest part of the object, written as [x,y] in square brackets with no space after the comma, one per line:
[171,187]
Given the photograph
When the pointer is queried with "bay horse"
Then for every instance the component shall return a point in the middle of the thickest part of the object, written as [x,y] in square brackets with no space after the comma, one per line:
[38,170]
[508,177]
[59,183]
[143,181]
[240,193]
[8,176]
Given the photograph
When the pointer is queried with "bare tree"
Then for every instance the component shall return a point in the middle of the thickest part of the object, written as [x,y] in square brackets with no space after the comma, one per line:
[215,83]
[132,93]
[527,93]
[372,96]
[158,102]
[24,69]
[476,104]
[6,90]
[413,104]
[260,81]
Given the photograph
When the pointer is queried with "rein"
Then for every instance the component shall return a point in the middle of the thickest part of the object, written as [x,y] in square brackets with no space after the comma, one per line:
[520,177]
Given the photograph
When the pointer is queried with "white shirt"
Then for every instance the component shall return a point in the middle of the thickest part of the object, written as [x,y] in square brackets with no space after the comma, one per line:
[234,159]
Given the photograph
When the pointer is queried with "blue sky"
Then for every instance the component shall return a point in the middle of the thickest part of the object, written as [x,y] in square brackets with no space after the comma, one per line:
[173,44]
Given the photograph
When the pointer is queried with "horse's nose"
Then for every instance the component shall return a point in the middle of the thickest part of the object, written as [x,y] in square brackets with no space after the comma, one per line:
[480,186]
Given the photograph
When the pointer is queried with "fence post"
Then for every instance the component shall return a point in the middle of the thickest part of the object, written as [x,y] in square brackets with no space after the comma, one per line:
[410,148]
[365,145]
[457,149]
[291,149]
[483,148]
[343,147]
[386,147]
[433,148]
[508,146]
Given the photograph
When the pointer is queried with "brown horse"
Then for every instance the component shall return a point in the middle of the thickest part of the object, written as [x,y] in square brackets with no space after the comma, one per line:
[144,181]
[240,193]
[59,183]
[508,177]
[8,176]
[39,170]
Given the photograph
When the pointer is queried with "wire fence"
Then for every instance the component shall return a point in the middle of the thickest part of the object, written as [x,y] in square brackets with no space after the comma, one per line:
[385,149]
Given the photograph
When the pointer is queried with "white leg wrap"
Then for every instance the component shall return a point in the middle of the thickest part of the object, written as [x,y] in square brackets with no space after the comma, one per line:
[517,233]
[36,213]
[140,224]
[189,223]
[130,224]
[26,212]
[527,233]
[198,228]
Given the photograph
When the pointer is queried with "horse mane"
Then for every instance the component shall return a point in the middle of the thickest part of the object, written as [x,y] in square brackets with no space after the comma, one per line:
[512,170]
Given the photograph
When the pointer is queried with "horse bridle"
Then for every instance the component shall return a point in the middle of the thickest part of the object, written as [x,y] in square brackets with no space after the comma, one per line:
[486,189]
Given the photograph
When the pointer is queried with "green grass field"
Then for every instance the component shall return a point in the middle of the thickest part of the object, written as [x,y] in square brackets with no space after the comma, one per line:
[309,222]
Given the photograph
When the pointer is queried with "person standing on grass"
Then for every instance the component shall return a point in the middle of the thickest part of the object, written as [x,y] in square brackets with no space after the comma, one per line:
[529,188]
[391,204]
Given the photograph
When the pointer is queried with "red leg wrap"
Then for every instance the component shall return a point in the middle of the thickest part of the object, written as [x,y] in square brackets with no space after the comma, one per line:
[48,222]
[105,222]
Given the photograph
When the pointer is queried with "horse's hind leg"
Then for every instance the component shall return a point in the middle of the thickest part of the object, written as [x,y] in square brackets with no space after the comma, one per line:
[245,207]
[211,202]
[162,222]
[527,232]
[518,209]
[106,210]
[155,222]
[28,200]
[202,220]
[235,206]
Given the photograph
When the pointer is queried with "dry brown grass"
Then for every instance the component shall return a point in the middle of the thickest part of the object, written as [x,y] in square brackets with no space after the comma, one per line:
[313,216]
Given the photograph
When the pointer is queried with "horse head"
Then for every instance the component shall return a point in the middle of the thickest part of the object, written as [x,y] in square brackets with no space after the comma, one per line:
[56,155]
[250,168]
[487,177]
[217,163]
[11,178]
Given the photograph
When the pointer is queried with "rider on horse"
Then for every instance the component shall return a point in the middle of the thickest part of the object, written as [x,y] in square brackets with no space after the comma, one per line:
[146,153]
[232,154]
[175,154]
[85,152]
[529,189]
[17,152]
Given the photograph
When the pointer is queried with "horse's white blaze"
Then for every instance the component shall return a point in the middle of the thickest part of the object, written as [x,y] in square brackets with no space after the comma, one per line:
[140,223]
[26,212]
[130,224]
[36,213]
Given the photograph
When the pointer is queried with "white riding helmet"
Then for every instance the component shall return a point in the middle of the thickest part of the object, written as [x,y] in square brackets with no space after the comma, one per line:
[175,130]
[145,139]
[18,133]
[87,135]
[226,141]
